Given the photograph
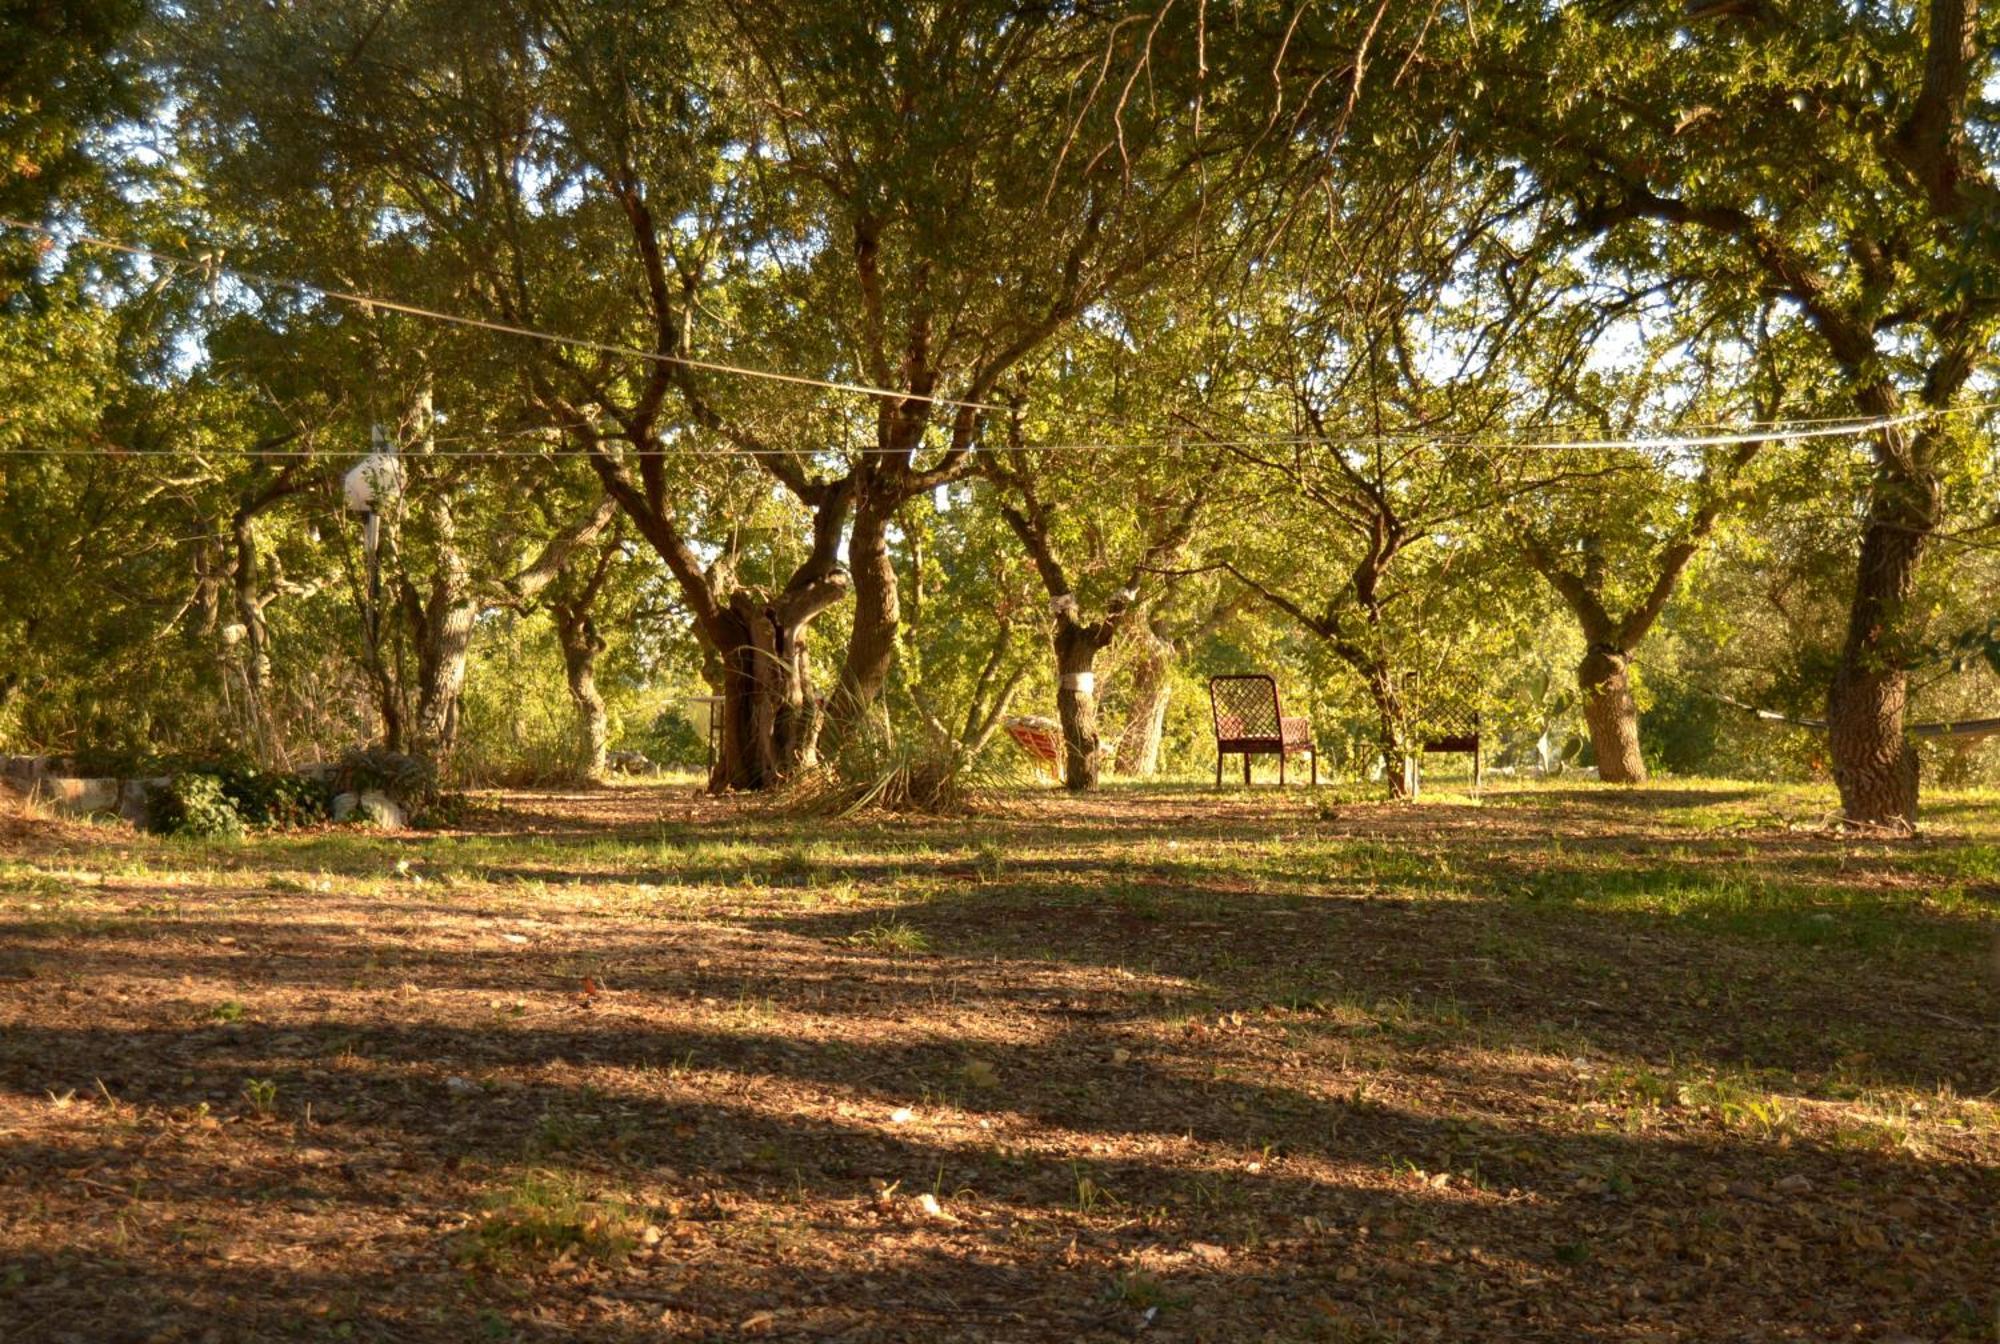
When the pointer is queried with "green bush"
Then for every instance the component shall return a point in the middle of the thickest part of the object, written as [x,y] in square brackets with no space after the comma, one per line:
[194,805]
[220,804]
[410,781]
[674,742]
[268,800]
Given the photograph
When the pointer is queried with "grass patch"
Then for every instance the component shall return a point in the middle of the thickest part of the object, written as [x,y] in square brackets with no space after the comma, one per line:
[548,1217]
[892,935]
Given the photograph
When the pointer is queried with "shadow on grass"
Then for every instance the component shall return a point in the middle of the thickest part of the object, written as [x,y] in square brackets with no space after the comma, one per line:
[1531,1213]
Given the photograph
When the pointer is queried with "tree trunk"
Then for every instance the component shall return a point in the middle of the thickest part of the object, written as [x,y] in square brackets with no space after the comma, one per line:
[581,645]
[389,701]
[1152,687]
[871,648]
[770,719]
[443,645]
[1874,764]
[1390,737]
[441,628]
[1076,703]
[1603,679]
[250,605]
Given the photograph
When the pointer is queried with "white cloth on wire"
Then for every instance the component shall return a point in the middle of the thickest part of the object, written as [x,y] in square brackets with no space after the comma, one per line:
[374,484]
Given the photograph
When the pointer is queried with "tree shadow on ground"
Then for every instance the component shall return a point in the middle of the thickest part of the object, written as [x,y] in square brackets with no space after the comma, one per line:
[1536,1231]
[1283,1107]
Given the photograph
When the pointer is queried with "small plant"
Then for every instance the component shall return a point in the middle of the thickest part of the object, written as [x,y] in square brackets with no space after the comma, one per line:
[549,1214]
[411,782]
[892,936]
[227,1011]
[569,1130]
[274,800]
[1089,1194]
[1146,1291]
[261,1094]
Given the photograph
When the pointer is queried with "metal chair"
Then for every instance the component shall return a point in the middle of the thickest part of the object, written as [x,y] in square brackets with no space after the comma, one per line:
[1250,721]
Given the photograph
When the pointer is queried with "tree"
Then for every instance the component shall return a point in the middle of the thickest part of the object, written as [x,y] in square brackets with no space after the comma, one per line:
[1615,545]
[1838,159]
[1128,547]
[65,74]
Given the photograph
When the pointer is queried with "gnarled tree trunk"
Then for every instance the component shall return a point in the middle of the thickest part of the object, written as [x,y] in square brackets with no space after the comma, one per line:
[770,717]
[1874,764]
[441,628]
[581,645]
[871,648]
[1076,700]
[1608,707]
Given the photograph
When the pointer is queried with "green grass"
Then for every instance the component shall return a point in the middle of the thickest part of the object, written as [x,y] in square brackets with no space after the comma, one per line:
[550,1215]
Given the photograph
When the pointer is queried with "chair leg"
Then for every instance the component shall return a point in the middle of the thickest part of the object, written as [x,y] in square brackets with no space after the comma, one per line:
[1281,768]
[1314,752]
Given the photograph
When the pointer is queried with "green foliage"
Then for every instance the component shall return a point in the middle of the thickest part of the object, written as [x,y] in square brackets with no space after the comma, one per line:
[223,804]
[274,800]
[546,1214]
[408,780]
[672,741]
[195,806]
[1684,731]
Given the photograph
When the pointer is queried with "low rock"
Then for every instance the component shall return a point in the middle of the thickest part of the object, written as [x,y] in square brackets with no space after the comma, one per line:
[373,807]
[25,770]
[78,797]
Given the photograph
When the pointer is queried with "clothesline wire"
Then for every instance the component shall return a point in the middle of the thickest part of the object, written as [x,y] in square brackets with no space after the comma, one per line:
[369,301]
[1849,429]
[1768,432]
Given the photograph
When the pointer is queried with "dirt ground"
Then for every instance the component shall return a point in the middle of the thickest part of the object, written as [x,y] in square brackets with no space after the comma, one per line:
[637,1065]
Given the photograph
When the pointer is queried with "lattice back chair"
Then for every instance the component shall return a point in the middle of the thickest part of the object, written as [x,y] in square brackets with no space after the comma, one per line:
[1445,710]
[1250,721]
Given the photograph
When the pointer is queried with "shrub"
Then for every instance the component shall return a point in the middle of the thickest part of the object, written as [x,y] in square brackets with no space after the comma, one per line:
[194,804]
[267,799]
[674,741]
[410,781]
[872,771]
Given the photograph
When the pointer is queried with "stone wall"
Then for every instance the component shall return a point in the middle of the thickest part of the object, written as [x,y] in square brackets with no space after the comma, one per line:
[47,780]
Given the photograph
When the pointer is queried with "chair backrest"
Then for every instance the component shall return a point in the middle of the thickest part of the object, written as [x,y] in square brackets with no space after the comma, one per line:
[1444,710]
[1244,706]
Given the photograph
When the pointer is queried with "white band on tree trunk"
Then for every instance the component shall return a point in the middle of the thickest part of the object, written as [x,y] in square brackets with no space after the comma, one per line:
[1083,683]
